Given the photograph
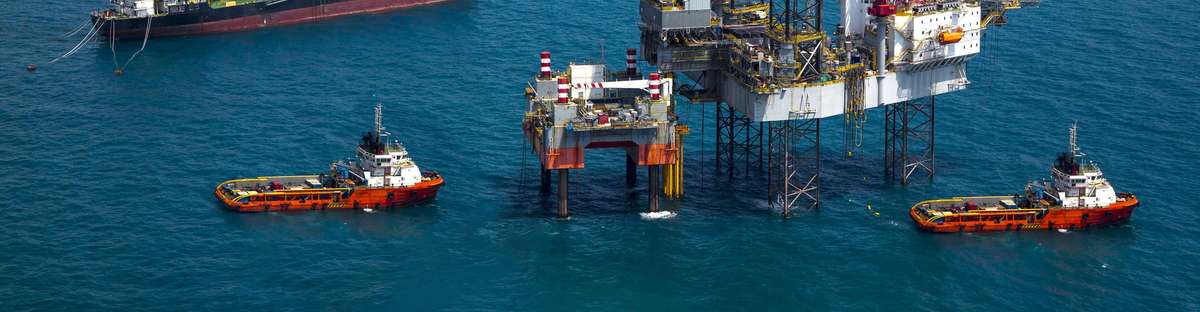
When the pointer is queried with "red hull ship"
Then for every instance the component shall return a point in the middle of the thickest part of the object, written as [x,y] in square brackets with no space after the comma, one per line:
[382,177]
[1079,197]
[130,18]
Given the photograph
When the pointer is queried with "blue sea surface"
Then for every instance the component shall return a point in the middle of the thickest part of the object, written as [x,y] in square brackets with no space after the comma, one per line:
[108,180]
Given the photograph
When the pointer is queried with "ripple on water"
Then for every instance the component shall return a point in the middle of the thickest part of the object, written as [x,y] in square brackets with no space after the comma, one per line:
[110,178]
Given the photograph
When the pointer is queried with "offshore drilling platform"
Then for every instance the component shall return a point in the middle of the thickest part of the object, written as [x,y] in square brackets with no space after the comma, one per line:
[774,73]
[587,106]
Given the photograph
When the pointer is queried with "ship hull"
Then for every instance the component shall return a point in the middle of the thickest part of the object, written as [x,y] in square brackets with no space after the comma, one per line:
[205,20]
[1051,220]
[357,198]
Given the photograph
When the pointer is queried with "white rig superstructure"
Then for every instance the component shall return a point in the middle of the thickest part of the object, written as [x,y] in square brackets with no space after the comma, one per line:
[917,49]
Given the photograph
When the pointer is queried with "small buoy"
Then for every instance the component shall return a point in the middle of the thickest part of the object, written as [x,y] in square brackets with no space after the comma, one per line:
[118,71]
[31,67]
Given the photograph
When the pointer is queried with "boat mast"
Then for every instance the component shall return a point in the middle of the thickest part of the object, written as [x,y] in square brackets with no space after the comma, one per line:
[379,120]
[1074,148]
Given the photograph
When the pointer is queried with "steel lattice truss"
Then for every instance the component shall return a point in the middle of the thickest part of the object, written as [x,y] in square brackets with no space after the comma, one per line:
[909,139]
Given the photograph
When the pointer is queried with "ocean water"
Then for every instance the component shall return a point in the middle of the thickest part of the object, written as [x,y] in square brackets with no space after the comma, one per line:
[108,180]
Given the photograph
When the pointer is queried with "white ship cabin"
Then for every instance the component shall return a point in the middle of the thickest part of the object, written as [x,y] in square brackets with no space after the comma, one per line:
[143,8]
[135,8]
[1076,183]
[386,164]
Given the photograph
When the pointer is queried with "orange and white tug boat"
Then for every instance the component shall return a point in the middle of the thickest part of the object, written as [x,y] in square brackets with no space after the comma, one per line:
[1079,197]
[382,177]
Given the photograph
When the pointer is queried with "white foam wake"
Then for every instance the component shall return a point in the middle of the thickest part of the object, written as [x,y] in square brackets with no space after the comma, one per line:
[657,215]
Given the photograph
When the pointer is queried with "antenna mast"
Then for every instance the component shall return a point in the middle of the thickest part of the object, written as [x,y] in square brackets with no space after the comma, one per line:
[1074,147]
[379,120]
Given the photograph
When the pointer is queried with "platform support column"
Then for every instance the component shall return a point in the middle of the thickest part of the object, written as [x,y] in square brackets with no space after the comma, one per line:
[630,171]
[739,141]
[563,212]
[654,183]
[794,170]
[545,189]
[909,139]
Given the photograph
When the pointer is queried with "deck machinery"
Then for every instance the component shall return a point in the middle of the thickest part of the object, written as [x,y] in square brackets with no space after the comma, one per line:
[587,107]
[775,73]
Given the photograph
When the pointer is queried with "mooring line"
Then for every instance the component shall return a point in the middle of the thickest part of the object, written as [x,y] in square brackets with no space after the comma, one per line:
[149,22]
[91,35]
[77,29]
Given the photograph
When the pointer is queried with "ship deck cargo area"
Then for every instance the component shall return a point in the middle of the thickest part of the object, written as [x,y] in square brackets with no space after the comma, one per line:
[267,185]
[956,205]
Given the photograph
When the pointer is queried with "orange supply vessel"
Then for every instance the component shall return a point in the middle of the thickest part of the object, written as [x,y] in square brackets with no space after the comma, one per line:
[382,177]
[1079,197]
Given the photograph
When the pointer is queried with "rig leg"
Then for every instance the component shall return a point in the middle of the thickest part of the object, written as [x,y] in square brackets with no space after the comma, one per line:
[909,139]
[739,140]
[794,175]
[720,135]
[563,212]
[630,171]
[545,181]
[654,182]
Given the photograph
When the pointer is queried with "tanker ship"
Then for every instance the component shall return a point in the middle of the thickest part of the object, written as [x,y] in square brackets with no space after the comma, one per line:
[1078,197]
[382,176]
[130,18]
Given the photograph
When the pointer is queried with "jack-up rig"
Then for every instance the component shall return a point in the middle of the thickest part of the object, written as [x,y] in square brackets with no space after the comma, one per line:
[774,73]
[586,107]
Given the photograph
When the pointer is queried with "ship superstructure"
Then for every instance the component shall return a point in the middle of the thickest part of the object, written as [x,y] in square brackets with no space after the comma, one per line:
[1077,196]
[152,18]
[381,175]
[1075,183]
